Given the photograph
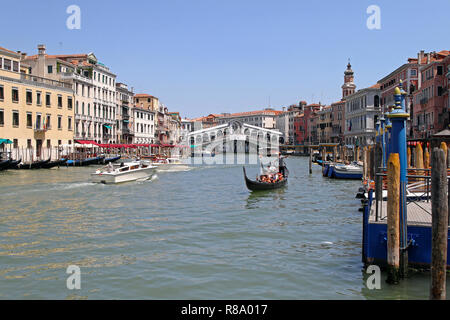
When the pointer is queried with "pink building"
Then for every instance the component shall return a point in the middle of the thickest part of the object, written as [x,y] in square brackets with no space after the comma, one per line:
[431,113]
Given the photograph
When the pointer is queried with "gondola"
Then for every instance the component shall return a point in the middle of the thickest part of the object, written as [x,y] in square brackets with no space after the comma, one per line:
[53,164]
[256,185]
[84,162]
[33,165]
[113,159]
[4,164]
[99,160]
[14,164]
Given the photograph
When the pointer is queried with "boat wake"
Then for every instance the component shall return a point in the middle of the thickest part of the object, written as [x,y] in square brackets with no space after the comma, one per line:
[182,169]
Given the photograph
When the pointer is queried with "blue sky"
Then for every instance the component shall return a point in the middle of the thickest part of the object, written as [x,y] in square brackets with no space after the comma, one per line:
[210,56]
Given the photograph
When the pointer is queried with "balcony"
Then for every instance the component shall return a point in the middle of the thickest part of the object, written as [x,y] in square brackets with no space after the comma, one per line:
[75,76]
[44,81]
[40,129]
[423,101]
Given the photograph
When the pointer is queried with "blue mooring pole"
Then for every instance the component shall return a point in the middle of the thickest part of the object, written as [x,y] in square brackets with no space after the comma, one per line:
[388,135]
[398,116]
[383,139]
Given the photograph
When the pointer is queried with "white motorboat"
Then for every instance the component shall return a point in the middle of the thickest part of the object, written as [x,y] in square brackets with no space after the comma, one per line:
[124,172]
[169,163]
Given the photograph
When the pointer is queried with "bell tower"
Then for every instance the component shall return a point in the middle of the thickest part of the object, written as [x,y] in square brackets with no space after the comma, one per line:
[349,86]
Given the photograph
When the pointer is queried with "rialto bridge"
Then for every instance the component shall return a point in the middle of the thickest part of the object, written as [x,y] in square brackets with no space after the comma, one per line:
[233,137]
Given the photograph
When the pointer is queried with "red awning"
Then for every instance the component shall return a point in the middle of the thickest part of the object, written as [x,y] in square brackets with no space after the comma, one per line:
[86,142]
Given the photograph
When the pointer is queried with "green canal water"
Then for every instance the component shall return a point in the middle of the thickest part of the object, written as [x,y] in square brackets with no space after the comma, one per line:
[194,234]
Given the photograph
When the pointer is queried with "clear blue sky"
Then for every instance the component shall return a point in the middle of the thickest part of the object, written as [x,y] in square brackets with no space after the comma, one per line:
[211,56]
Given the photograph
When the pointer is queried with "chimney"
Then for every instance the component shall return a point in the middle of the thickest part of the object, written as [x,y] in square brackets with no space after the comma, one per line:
[420,56]
[428,57]
[41,49]
[23,55]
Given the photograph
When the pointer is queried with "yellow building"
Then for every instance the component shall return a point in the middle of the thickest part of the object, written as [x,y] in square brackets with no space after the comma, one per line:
[36,113]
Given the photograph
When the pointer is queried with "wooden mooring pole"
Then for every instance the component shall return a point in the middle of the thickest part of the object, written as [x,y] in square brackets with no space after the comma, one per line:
[393,221]
[310,160]
[439,210]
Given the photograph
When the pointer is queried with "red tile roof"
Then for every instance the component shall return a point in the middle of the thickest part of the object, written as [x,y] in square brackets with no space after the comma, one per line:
[7,50]
[143,95]
[251,113]
[59,56]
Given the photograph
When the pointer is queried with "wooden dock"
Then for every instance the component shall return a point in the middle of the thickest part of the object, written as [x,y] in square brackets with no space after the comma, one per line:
[419,213]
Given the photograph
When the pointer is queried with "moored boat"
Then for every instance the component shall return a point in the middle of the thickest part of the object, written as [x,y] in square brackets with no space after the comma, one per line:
[349,171]
[4,164]
[125,172]
[33,165]
[84,162]
[259,185]
[13,164]
[53,164]
[112,159]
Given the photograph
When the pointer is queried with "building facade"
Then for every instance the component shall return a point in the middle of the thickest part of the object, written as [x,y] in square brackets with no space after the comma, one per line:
[143,125]
[266,118]
[94,88]
[431,113]
[324,124]
[36,113]
[125,105]
[362,111]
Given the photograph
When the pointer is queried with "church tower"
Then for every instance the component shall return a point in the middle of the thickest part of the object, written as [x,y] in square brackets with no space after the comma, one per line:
[349,86]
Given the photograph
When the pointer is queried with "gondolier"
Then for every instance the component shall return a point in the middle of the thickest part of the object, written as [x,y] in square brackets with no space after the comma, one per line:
[282,167]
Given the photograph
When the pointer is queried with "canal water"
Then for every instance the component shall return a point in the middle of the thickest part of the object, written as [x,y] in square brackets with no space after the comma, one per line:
[193,234]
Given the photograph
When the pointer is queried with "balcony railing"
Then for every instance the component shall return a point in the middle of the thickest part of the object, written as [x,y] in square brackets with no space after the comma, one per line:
[75,76]
[39,128]
[45,81]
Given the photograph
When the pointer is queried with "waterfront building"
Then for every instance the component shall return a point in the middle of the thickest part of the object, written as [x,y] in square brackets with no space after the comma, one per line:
[337,121]
[125,105]
[174,128]
[310,121]
[36,113]
[143,125]
[285,122]
[324,124]
[151,103]
[162,131]
[431,113]
[93,85]
[362,111]
[409,74]
[187,125]
[261,118]
[300,131]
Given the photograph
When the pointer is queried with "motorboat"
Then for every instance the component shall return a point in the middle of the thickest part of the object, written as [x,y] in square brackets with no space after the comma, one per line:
[169,163]
[124,172]
[349,171]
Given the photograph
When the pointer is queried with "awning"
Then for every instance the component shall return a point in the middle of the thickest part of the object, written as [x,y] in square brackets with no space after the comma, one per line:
[106,126]
[86,142]
[112,145]
[5,141]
